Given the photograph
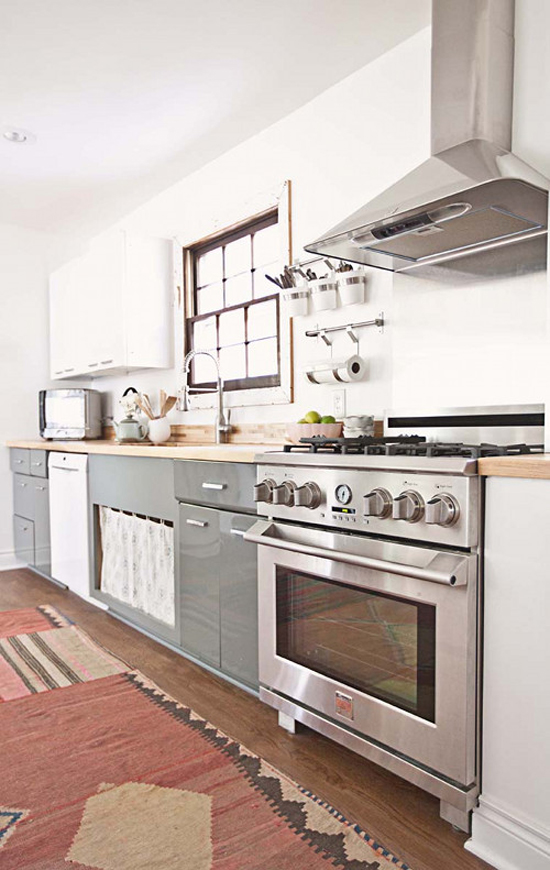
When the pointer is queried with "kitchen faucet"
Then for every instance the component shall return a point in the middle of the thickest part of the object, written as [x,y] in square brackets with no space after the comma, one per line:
[222,427]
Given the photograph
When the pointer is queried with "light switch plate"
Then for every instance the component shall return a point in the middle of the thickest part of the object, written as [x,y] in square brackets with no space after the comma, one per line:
[339,404]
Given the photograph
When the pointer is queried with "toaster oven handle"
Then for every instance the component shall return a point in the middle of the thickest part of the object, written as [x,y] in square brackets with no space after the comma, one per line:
[269,534]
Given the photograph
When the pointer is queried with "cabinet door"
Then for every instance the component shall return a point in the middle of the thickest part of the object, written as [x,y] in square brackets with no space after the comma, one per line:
[23,495]
[200,553]
[101,284]
[238,600]
[65,325]
[148,302]
[42,556]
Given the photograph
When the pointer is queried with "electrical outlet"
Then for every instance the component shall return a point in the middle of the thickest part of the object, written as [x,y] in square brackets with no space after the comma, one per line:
[339,404]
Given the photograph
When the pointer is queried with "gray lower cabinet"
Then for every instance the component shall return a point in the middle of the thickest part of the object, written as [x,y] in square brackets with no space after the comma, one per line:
[31,523]
[218,590]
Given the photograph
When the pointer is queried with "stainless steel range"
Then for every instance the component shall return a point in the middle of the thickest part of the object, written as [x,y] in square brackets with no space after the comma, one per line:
[370,591]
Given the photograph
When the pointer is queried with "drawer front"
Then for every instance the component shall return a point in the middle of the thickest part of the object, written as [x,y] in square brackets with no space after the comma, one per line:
[23,530]
[23,496]
[227,485]
[38,463]
[20,460]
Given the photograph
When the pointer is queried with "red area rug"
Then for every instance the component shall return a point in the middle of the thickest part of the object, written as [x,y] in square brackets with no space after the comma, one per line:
[112,773]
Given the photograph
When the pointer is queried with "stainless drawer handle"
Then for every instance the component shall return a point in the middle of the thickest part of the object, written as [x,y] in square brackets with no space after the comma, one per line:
[40,488]
[92,365]
[106,362]
[217,486]
[70,370]
[200,523]
[238,533]
[19,461]
[22,485]
[37,464]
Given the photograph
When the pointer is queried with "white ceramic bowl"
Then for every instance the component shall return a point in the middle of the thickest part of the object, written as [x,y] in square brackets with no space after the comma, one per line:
[295,431]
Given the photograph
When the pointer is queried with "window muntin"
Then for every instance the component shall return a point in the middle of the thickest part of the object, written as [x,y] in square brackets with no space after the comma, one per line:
[236,313]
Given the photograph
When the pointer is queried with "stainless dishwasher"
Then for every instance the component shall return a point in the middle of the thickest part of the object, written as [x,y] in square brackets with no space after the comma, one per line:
[217,567]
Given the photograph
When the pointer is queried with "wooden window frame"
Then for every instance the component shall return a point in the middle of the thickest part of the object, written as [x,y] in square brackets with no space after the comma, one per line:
[263,390]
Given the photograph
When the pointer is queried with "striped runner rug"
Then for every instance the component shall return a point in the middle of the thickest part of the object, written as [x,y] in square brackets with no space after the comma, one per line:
[113,773]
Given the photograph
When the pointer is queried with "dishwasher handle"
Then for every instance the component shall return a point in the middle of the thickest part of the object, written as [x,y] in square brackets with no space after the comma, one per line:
[269,534]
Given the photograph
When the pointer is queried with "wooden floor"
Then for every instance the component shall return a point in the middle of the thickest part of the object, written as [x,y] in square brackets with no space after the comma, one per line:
[400,816]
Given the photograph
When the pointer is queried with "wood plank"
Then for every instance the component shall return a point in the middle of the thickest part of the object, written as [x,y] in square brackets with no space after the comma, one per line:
[535,466]
[401,817]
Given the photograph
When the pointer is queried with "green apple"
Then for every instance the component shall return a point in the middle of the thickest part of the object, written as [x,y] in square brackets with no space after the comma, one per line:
[312,417]
[328,419]
[302,421]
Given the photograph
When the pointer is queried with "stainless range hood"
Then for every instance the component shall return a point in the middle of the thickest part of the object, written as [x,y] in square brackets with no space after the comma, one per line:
[473,195]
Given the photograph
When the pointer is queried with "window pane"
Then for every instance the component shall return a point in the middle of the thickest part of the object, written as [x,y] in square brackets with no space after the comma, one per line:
[204,370]
[204,334]
[262,320]
[233,362]
[266,245]
[238,289]
[262,358]
[263,287]
[209,267]
[238,257]
[210,298]
[232,327]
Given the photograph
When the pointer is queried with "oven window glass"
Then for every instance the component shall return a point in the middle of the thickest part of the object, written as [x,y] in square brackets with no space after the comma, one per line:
[377,643]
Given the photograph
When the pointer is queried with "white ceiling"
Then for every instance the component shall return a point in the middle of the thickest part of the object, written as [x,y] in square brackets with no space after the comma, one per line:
[127,96]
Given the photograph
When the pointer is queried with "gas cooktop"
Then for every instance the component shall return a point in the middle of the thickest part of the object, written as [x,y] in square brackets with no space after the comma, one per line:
[406,445]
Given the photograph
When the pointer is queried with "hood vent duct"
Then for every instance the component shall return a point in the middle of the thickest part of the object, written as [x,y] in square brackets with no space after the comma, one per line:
[473,196]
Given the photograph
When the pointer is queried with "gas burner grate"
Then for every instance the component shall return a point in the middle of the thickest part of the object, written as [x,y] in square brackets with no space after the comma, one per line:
[365,444]
[407,445]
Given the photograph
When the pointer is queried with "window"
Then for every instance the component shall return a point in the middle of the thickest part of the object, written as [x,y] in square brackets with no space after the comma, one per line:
[235,313]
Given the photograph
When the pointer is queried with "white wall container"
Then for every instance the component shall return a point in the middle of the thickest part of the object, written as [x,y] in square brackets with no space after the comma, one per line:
[323,294]
[296,301]
[352,286]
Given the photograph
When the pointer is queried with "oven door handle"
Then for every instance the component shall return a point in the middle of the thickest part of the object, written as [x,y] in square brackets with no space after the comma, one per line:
[444,568]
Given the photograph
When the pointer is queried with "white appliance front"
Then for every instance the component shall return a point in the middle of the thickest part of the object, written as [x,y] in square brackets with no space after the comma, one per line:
[69,520]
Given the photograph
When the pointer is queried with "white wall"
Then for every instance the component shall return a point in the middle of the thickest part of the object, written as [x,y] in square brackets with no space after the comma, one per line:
[23,353]
[339,150]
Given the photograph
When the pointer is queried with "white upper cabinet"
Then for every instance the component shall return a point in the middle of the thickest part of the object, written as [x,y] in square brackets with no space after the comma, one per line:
[112,308]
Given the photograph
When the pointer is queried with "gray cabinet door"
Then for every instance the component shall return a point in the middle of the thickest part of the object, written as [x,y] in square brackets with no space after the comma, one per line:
[23,531]
[23,496]
[238,600]
[199,571]
[42,554]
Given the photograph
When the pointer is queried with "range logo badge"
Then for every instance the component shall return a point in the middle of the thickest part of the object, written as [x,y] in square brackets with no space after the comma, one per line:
[343,705]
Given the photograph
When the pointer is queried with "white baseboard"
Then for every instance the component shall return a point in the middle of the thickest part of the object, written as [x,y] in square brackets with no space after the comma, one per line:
[9,561]
[507,842]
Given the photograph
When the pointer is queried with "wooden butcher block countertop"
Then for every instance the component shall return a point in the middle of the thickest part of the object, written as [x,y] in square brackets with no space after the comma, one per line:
[171,450]
[535,466]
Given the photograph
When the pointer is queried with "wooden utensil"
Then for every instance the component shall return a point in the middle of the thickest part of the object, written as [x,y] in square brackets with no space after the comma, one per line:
[163,398]
[143,407]
[169,404]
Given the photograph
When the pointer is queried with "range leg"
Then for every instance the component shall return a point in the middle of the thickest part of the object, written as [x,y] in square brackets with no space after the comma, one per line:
[460,819]
[287,722]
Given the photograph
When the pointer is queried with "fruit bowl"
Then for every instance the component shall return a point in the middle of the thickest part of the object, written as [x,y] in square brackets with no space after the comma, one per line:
[295,431]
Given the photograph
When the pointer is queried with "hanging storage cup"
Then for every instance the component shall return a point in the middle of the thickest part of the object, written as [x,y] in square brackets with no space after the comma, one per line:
[323,294]
[351,286]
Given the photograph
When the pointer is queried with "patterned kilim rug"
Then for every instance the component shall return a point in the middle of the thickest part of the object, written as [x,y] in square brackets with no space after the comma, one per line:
[107,771]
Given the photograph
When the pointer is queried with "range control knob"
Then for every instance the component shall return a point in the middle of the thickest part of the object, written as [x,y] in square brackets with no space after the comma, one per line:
[409,506]
[378,503]
[263,491]
[284,493]
[442,510]
[308,495]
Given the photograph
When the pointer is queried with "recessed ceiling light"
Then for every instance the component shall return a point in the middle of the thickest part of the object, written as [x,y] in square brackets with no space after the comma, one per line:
[17,135]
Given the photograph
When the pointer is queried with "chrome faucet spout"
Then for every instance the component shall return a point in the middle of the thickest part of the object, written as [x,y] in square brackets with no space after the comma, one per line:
[222,427]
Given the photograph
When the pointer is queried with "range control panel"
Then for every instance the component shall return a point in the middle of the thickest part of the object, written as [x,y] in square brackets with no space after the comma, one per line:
[438,508]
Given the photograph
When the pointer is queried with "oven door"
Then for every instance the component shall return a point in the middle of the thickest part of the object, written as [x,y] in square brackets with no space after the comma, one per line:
[379,637]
